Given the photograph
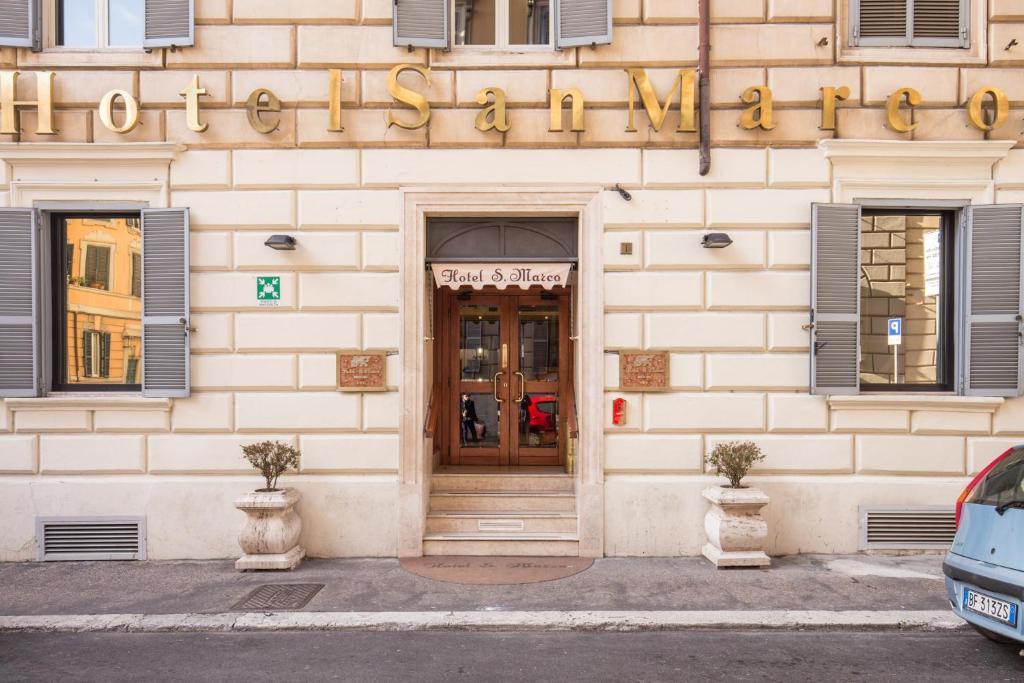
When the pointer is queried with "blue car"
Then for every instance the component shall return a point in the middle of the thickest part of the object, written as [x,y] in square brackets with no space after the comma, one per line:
[985,566]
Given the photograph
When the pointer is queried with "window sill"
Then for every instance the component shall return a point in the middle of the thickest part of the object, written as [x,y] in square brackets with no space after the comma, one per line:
[87,401]
[469,55]
[85,58]
[960,404]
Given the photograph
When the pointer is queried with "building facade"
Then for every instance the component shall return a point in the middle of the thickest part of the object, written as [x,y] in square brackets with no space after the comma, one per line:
[499,202]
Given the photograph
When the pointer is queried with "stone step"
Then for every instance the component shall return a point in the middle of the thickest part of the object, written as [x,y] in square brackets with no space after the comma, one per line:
[501,482]
[550,545]
[502,501]
[516,522]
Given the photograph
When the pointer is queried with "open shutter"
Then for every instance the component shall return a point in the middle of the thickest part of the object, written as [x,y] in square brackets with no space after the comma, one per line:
[583,22]
[19,23]
[941,23]
[835,298]
[104,354]
[169,22]
[993,362]
[165,352]
[19,304]
[421,23]
[879,22]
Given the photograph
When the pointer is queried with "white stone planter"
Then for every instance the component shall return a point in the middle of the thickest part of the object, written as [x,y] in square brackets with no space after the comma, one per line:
[270,537]
[737,532]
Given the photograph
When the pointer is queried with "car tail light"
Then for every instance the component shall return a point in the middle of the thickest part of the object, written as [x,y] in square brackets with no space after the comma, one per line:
[974,484]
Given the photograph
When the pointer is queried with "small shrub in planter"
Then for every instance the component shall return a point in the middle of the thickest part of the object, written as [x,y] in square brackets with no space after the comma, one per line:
[733,460]
[272,459]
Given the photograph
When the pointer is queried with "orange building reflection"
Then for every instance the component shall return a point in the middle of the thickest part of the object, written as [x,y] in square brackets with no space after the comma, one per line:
[104,301]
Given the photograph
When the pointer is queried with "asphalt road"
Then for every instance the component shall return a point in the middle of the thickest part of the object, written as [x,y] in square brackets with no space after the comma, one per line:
[476,656]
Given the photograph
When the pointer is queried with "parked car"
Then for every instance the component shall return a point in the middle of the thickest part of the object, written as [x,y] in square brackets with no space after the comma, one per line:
[984,568]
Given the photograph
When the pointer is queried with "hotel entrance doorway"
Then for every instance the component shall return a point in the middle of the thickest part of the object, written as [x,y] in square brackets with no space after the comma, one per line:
[505,370]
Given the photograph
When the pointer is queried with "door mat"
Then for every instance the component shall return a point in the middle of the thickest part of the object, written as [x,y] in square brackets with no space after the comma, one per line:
[495,571]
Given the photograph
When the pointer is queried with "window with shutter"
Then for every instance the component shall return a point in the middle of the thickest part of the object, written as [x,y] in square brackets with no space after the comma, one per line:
[835,300]
[19,303]
[136,274]
[583,22]
[421,23]
[20,23]
[97,266]
[165,348]
[910,23]
[169,23]
[993,303]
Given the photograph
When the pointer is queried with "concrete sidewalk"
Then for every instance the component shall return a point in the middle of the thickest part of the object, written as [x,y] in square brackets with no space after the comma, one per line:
[797,584]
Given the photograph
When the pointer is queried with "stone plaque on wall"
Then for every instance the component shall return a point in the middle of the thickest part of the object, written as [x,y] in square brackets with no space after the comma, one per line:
[643,370]
[362,371]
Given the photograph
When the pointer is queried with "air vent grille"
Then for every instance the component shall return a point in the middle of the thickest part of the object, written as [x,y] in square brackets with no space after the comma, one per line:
[909,528]
[91,538]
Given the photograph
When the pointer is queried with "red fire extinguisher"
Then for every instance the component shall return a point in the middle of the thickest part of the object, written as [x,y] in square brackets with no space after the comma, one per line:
[619,411]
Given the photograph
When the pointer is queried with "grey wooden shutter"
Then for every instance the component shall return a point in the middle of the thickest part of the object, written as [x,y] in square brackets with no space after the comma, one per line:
[835,298]
[910,23]
[583,22]
[421,23]
[165,350]
[104,354]
[19,303]
[88,336]
[169,22]
[19,23]
[992,306]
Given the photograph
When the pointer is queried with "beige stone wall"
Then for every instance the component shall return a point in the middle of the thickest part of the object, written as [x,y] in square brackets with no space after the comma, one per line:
[731,319]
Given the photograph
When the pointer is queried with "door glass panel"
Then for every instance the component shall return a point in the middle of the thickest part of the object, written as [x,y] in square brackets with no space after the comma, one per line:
[538,343]
[538,421]
[479,343]
[479,420]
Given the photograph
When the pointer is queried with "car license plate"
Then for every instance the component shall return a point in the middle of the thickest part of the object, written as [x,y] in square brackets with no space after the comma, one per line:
[1000,610]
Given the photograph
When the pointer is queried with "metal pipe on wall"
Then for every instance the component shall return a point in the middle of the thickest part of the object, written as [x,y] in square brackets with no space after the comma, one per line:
[704,83]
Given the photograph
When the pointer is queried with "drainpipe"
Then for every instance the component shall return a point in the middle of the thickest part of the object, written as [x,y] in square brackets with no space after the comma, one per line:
[704,83]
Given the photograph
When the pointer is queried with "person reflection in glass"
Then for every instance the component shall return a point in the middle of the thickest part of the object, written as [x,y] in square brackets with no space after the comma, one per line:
[469,420]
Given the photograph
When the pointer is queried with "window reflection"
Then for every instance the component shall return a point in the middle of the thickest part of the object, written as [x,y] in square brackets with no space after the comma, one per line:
[124,23]
[538,421]
[538,342]
[529,22]
[103,275]
[474,22]
[76,23]
[479,342]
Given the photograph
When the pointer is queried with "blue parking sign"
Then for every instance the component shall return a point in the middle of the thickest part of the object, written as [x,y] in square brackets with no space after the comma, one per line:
[895,331]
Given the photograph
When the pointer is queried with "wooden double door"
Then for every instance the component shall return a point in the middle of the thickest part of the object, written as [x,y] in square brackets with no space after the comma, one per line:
[504,370]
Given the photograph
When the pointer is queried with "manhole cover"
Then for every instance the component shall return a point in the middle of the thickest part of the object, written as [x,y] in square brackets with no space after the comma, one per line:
[278,596]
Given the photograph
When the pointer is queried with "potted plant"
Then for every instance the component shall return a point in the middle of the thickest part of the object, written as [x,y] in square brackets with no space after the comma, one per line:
[270,537]
[736,530]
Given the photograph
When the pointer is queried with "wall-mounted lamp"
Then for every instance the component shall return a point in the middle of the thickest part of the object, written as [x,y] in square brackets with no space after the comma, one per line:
[281,242]
[715,240]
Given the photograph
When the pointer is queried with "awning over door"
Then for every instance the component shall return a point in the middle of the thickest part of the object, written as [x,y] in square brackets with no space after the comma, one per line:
[501,275]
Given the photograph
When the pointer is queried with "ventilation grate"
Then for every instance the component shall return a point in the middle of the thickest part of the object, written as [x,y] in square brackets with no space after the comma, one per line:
[91,538]
[908,528]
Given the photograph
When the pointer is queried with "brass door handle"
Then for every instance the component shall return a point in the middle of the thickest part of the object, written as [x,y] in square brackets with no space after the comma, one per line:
[522,387]
[496,376]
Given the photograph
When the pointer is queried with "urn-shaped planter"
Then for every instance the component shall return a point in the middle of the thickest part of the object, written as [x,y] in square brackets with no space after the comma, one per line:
[270,537]
[737,532]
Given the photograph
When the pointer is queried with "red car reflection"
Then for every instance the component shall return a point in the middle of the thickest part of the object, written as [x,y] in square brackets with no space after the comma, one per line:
[543,412]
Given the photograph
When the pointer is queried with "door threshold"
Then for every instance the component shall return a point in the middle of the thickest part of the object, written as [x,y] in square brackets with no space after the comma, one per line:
[500,469]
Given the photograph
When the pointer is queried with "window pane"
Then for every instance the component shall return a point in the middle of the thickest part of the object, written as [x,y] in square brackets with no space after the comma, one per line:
[103,342]
[76,23]
[125,23]
[474,22]
[1004,484]
[903,276]
[479,342]
[529,22]
[538,421]
[538,343]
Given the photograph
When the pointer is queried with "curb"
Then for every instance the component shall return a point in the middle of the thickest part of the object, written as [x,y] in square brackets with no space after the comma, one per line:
[893,620]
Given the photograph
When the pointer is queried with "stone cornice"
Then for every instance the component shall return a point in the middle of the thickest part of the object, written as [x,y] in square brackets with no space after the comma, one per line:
[914,151]
[27,152]
[963,404]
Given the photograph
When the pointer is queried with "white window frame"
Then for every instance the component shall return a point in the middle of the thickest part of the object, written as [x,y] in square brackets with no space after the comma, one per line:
[501,11]
[102,31]
[975,53]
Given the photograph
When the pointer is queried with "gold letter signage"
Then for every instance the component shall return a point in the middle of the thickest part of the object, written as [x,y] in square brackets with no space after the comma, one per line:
[494,115]
[576,99]
[131,111]
[759,114]
[655,111]
[829,98]
[255,106]
[892,109]
[410,97]
[192,94]
[43,103]
[974,108]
